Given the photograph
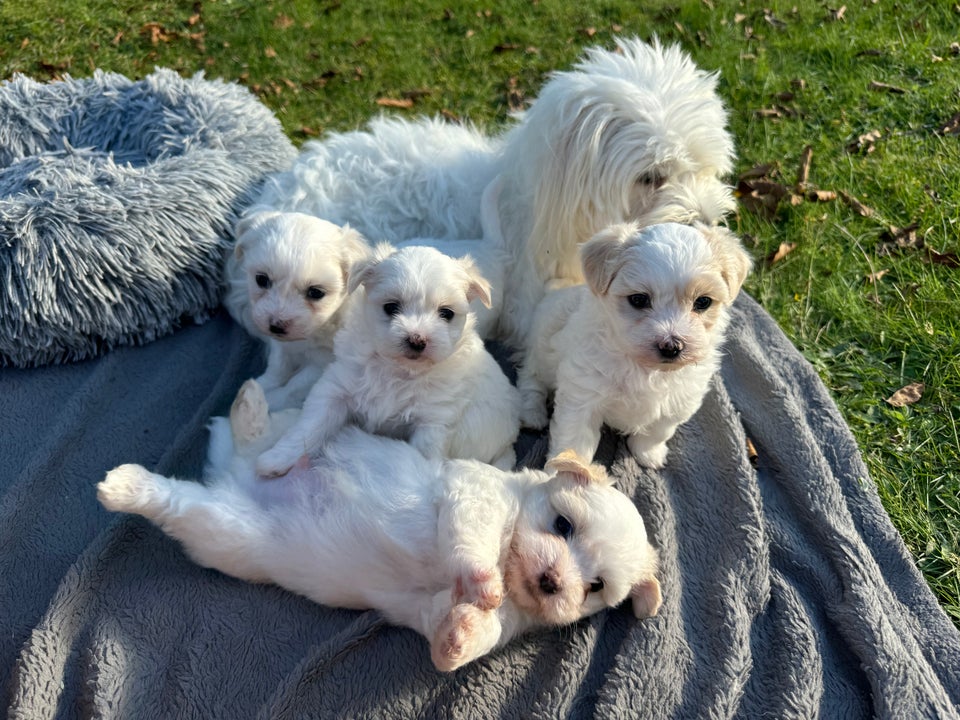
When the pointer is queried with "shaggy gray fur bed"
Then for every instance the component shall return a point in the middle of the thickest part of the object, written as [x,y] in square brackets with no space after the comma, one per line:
[116,201]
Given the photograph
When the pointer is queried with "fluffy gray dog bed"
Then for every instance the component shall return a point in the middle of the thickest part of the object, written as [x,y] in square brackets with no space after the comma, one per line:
[116,201]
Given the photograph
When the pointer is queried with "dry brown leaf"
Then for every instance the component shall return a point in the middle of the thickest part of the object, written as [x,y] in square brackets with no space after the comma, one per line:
[837,15]
[803,174]
[156,33]
[752,455]
[505,47]
[785,249]
[874,276]
[739,18]
[907,395]
[905,237]
[283,22]
[864,143]
[193,19]
[886,87]
[951,126]
[758,171]
[820,195]
[773,113]
[858,207]
[395,102]
[948,259]
[269,52]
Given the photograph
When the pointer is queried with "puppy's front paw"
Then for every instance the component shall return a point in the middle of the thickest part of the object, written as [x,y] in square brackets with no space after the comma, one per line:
[126,488]
[482,587]
[274,463]
[533,413]
[466,633]
[249,413]
[654,456]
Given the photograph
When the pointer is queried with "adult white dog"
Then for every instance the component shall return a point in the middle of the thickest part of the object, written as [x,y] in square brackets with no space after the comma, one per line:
[636,133]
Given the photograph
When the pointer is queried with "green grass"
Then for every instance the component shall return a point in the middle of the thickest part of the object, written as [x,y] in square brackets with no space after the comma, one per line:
[322,65]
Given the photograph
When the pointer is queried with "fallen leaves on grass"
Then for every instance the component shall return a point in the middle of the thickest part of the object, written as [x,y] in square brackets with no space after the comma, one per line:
[900,238]
[951,126]
[858,207]
[395,102]
[907,395]
[886,87]
[874,276]
[781,252]
[864,144]
[803,174]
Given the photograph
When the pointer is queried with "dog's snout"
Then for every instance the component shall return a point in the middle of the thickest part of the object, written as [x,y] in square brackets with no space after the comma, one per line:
[550,582]
[417,343]
[278,327]
[670,349]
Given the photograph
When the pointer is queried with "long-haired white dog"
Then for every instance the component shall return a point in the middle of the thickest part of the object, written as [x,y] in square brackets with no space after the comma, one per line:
[637,346]
[465,554]
[287,284]
[637,133]
[409,363]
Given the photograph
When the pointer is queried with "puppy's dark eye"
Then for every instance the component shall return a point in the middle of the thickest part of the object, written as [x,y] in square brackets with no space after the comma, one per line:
[640,301]
[391,308]
[597,585]
[446,313]
[563,527]
[262,280]
[315,292]
[651,180]
[702,303]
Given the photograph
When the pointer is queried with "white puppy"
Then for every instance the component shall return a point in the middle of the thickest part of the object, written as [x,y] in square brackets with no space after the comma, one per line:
[287,284]
[409,364]
[634,133]
[465,554]
[636,347]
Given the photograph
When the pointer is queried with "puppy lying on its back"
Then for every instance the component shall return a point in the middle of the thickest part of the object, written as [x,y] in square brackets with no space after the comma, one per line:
[409,364]
[637,346]
[287,284]
[465,554]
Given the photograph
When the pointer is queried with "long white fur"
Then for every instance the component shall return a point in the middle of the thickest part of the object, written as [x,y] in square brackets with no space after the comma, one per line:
[449,399]
[636,133]
[456,550]
[641,370]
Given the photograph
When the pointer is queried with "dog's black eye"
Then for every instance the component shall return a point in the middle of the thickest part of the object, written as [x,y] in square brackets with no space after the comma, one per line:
[315,292]
[640,301]
[702,303]
[563,527]
[262,280]
[597,585]
[446,313]
[391,308]
[651,180]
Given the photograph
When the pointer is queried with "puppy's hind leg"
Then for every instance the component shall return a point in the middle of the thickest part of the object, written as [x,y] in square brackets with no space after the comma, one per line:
[217,529]
[249,413]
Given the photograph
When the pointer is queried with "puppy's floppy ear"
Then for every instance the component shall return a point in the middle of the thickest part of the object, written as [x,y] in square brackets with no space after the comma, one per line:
[735,262]
[583,471]
[477,287]
[600,256]
[247,227]
[354,249]
[363,271]
[646,598]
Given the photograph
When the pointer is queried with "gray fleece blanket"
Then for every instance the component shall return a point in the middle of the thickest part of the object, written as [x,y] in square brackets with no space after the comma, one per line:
[787,592]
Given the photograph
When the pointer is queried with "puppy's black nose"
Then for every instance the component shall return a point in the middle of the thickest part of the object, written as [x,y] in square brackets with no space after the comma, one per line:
[279,327]
[670,349]
[550,582]
[417,343]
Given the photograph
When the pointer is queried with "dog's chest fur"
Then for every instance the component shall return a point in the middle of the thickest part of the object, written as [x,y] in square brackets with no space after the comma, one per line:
[391,400]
